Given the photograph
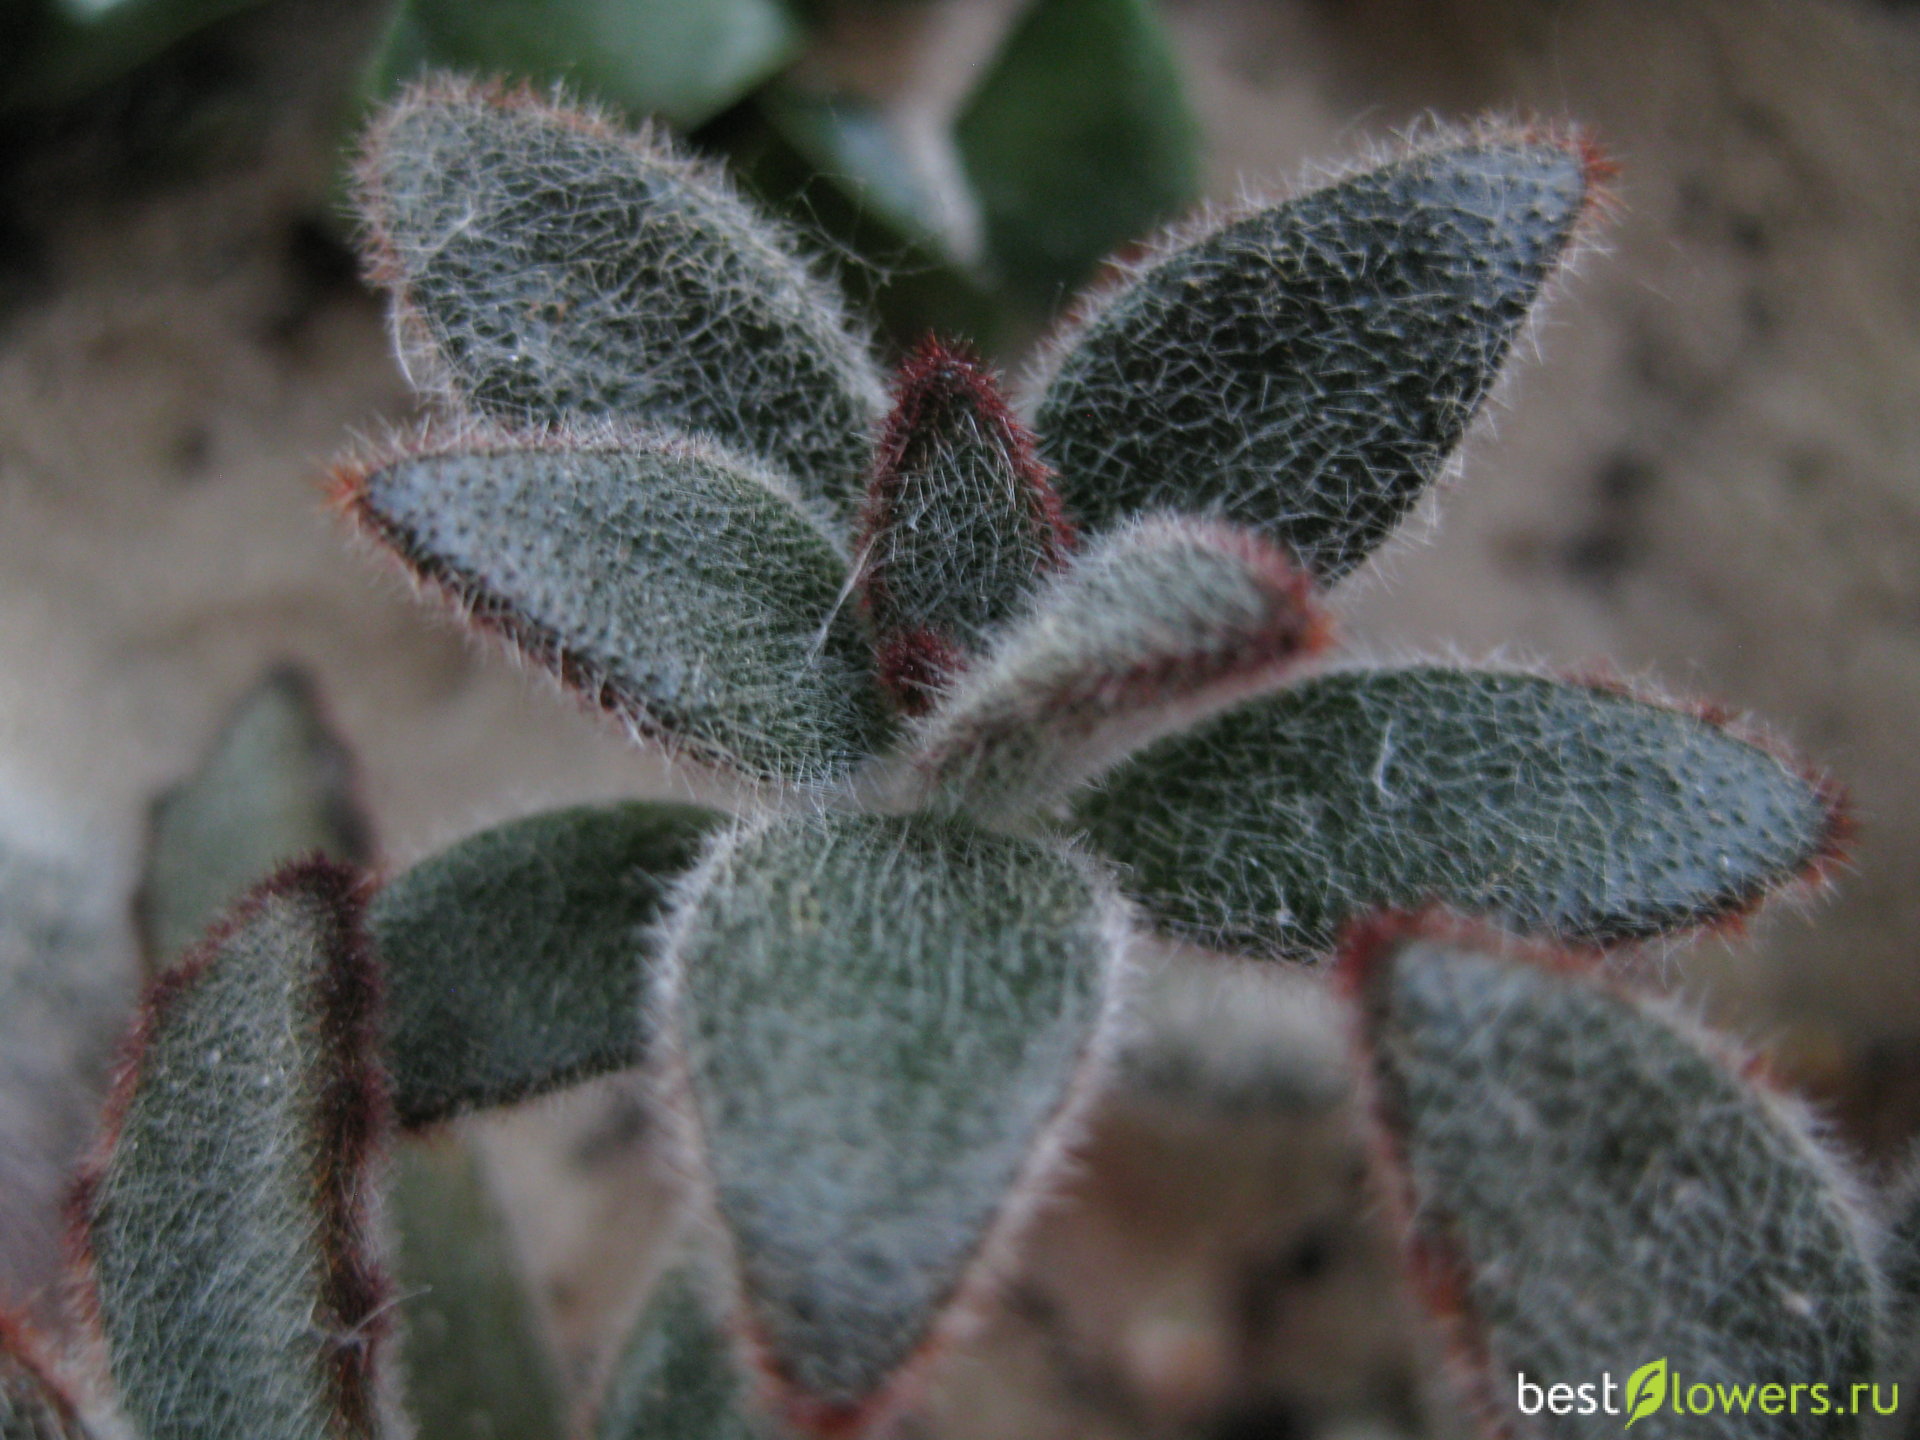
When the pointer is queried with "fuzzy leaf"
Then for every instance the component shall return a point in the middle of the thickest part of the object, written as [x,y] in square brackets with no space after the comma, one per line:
[863,1147]
[683,60]
[662,581]
[276,786]
[33,1406]
[1308,369]
[1079,140]
[515,960]
[1152,628]
[1593,1187]
[223,1227]
[676,1378]
[476,1359]
[960,520]
[1568,810]
[547,267]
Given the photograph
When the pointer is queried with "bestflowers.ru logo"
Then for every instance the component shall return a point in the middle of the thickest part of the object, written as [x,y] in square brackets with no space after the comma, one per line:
[1656,1386]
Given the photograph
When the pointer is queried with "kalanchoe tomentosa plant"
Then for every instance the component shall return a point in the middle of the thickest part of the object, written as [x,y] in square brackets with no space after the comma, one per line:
[1000,696]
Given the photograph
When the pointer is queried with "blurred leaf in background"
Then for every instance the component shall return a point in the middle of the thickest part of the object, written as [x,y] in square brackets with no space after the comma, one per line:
[56,50]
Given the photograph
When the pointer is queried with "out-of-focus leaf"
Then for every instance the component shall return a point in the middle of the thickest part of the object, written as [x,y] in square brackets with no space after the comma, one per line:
[1079,140]
[853,142]
[476,1361]
[683,60]
[676,1378]
[276,785]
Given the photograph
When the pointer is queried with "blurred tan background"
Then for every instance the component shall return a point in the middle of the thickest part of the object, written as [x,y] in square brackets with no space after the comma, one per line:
[1708,473]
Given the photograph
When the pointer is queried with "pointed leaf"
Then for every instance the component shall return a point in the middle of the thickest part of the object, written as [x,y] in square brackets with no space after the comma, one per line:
[880,1024]
[661,581]
[277,785]
[1308,369]
[683,60]
[548,267]
[1152,629]
[476,1359]
[1079,140]
[223,1228]
[1593,1187]
[515,960]
[960,521]
[33,1405]
[676,1378]
[1567,810]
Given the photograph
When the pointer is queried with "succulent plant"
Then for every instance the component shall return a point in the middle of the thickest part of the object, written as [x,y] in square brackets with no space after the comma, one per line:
[989,701]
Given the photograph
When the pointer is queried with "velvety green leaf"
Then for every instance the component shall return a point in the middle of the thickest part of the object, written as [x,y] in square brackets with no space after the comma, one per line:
[1561,809]
[277,785]
[960,522]
[1079,140]
[1592,1187]
[477,1362]
[878,1025]
[223,1228]
[1308,369]
[676,1378]
[33,1404]
[683,60]
[547,267]
[1151,629]
[662,581]
[516,959]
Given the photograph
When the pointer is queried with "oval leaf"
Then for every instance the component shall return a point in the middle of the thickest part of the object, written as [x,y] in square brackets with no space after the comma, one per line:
[547,267]
[1567,810]
[515,961]
[223,1230]
[661,581]
[879,1025]
[1308,369]
[1594,1190]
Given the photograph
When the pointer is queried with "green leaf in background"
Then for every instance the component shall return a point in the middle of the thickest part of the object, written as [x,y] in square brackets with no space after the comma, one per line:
[476,1360]
[683,60]
[516,959]
[1079,141]
[676,1378]
[224,1231]
[848,139]
[276,785]
[877,1026]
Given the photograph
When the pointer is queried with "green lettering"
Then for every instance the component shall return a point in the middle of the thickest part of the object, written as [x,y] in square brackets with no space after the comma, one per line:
[1735,1397]
[1773,1399]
